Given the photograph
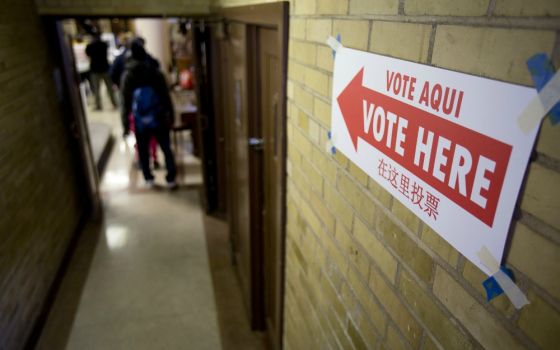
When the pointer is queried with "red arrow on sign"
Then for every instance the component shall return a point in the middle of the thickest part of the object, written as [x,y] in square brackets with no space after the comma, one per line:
[397,129]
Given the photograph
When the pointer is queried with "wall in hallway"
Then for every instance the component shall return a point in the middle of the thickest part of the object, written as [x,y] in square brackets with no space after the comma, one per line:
[362,270]
[39,198]
[123,7]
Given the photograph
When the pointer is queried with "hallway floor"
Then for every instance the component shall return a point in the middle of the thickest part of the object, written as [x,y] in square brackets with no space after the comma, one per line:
[142,278]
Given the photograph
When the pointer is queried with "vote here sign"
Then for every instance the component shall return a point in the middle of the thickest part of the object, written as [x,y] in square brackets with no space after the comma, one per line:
[443,143]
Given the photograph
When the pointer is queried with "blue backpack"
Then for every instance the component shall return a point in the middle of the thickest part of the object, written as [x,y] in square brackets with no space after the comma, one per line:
[146,107]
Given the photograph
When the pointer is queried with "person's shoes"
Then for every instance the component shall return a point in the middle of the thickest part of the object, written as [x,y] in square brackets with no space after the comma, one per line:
[150,184]
[172,185]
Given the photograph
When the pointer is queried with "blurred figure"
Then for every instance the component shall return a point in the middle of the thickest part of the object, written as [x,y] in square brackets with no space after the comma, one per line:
[145,94]
[99,70]
[116,72]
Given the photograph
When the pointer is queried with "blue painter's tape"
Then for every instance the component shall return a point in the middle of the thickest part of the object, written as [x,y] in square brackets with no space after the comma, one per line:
[333,150]
[492,287]
[338,38]
[542,70]
[329,134]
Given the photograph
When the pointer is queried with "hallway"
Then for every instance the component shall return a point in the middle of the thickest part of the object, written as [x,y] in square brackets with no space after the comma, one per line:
[141,280]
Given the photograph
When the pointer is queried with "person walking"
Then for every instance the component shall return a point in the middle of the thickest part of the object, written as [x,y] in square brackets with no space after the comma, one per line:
[99,70]
[145,94]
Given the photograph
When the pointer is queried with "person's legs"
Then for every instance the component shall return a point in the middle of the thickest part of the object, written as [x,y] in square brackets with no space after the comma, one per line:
[163,139]
[95,77]
[153,151]
[109,85]
[142,140]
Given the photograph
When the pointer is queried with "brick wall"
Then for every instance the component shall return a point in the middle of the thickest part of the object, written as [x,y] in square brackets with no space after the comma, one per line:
[123,7]
[39,200]
[362,270]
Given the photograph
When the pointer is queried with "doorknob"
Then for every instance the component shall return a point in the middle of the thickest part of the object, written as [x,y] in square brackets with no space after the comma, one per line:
[256,143]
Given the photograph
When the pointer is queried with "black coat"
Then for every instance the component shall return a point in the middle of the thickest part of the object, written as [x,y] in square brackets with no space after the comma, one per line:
[138,74]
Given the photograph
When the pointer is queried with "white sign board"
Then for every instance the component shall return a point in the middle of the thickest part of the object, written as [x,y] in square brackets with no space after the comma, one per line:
[445,144]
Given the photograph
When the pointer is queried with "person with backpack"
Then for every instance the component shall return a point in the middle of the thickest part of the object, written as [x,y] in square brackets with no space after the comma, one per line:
[145,94]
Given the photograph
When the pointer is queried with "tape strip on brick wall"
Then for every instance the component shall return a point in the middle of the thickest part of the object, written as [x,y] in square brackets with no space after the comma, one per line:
[333,43]
[515,295]
[540,105]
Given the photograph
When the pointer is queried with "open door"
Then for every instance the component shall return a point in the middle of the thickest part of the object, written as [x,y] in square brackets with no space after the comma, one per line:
[253,53]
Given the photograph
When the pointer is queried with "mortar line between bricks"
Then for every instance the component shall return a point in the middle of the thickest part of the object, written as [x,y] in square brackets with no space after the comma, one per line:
[490,9]
[537,23]
[540,227]
[431,44]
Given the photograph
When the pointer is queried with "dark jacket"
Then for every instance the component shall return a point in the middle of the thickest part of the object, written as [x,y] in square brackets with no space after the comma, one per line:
[138,74]
[97,52]
[118,67]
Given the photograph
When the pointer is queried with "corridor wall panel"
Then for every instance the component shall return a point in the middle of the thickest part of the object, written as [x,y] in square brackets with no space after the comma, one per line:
[40,203]
[363,271]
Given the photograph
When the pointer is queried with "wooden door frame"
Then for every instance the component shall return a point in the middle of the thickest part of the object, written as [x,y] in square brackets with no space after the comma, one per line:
[74,112]
[273,16]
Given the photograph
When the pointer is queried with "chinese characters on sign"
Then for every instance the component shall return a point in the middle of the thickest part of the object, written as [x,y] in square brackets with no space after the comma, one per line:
[414,192]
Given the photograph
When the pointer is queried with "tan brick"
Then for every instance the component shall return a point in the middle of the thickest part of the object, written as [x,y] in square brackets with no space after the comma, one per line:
[492,52]
[379,193]
[525,8]
[303,99]
[344,213]
[306,7]
[303,52]
[314,177]
[378,7]
[341,159]
[429,344]
[549,139]
[297,28]
[358,174]
[365,298]
[322,112]
[395,308]
[440,246]
[473,316]
[296,71]
[408,218]
[407,249]
[541,194]
[357,198]
[332,7]
[325,59]
[447,333]
[394,340]
[475,277]
[375,249]
[349,248]
[536,257]
[326,165]
[353,33]
[318,30]
[317,81]
[302,143]
[446,7]
[413,40]
[541,322]
[314,131]
[355,337]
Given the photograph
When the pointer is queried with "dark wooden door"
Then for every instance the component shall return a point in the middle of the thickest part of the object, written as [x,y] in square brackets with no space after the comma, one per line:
[272,122]
[253,55]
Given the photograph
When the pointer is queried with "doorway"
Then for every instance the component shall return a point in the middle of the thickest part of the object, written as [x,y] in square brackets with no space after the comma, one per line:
[252,46]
